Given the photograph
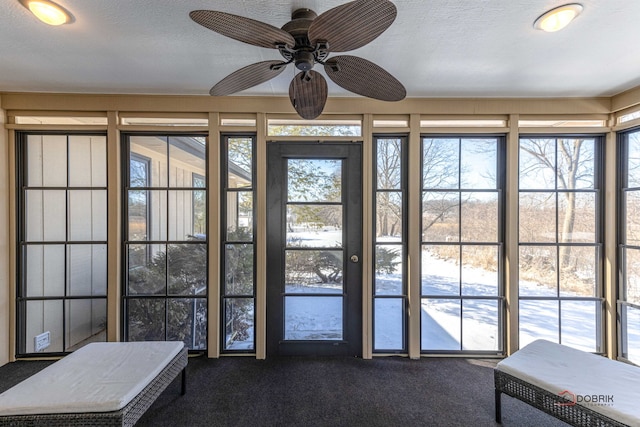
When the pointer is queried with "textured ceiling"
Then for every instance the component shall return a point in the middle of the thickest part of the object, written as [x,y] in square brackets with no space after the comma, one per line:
[436,48]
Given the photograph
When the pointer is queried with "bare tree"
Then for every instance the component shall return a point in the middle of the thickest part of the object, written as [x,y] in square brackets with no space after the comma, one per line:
[571,162]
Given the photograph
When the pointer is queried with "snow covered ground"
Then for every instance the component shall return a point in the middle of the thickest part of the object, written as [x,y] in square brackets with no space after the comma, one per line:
[446,323]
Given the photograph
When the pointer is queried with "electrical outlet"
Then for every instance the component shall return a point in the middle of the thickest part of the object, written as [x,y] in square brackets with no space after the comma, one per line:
[42,341]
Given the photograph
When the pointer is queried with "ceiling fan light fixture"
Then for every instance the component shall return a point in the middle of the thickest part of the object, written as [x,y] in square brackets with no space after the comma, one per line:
[48,12]
[558,18]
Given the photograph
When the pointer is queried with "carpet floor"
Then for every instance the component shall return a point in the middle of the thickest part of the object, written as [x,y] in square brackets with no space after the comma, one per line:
[295,391]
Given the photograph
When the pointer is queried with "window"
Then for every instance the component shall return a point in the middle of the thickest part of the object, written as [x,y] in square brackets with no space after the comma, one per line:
[314,127]
[629,238]
[461,265]
[165,256]
[62,257]
[560,241]
[390,288]
[238,237]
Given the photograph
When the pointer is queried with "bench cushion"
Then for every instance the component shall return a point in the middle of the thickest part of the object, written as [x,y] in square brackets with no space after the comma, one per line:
[99,377]
[557,368]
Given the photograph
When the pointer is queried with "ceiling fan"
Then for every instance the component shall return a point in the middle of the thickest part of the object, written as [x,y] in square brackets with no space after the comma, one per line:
[306,40]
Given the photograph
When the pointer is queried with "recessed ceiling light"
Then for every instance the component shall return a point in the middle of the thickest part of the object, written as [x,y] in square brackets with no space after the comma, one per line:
[558,18]
[48,11]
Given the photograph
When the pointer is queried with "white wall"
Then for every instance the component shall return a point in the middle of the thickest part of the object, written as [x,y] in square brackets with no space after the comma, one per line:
[5,204]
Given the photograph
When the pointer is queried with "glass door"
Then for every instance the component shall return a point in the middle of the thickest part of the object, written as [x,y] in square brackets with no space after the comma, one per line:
[314,245]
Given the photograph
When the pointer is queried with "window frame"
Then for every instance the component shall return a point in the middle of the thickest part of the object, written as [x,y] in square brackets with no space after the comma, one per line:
[225,190]
[500,190]
[21,299]
[403,244]
[622,163]
[598,244]
[125,138]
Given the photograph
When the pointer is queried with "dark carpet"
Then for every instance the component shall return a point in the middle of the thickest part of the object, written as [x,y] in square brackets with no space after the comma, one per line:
[242,391]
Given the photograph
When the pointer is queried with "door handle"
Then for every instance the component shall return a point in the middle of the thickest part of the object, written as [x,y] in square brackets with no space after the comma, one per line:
[354,258]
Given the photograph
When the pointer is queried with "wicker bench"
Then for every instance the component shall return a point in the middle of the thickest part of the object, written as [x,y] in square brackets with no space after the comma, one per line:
[101,384]
[580,388]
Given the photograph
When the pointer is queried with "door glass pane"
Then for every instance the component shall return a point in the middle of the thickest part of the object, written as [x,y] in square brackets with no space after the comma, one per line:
[538,320]
[388,328]
[480,325]
[239,323]
[313,318]
[311,271]
[316,226]
[440,322]
[314,180]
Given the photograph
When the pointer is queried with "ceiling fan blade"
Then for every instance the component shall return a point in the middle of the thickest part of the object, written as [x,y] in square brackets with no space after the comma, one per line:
[243,29]
[352,25]
[364,78]
[247,77]
[308,93]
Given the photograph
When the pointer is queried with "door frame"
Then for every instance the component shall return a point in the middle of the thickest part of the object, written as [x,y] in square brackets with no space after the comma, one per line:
[352,198]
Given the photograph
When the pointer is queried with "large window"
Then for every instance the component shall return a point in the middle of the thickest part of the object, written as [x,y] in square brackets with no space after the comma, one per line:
[390,288]
[62,256]
[165,252]
[461,266]
[629,238]
[560,247]
[238,234]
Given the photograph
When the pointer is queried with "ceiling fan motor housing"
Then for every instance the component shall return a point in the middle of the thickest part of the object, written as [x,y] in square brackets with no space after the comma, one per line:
[298,27]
